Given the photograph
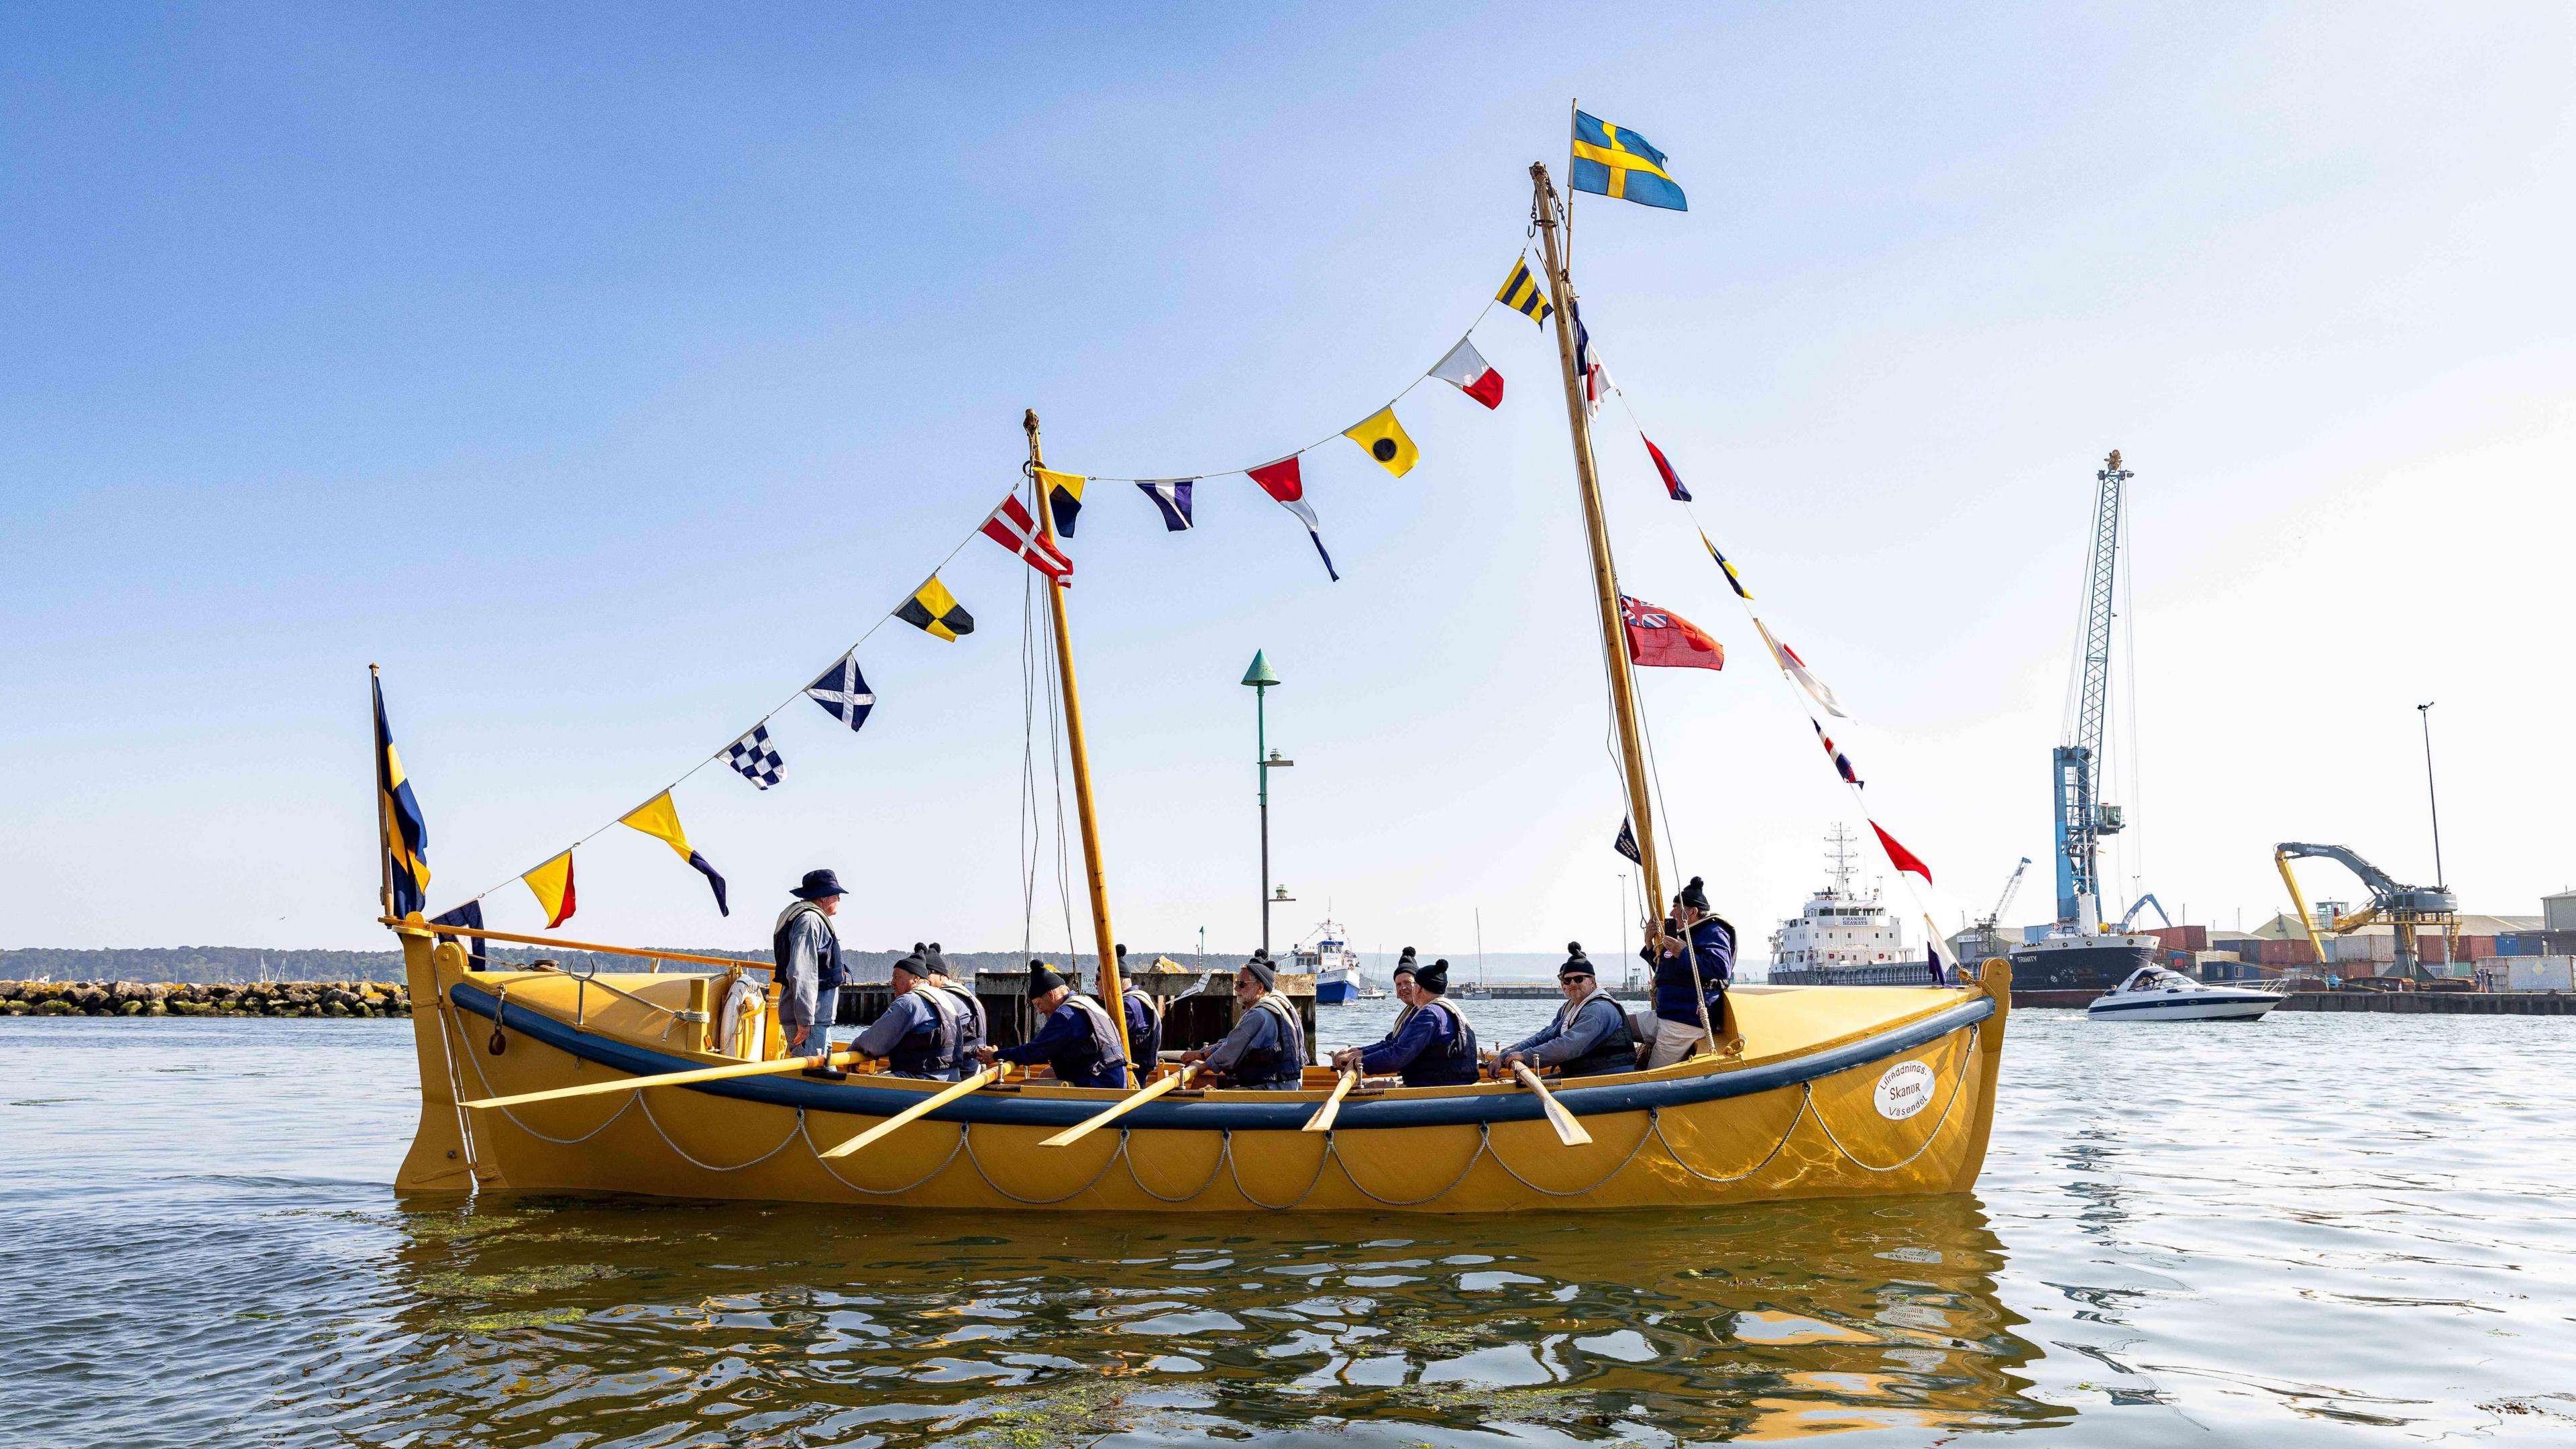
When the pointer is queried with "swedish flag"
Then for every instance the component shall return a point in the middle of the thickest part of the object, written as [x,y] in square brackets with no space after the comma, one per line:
[1612,162]
[935,611]
[406,834]
[1522,293]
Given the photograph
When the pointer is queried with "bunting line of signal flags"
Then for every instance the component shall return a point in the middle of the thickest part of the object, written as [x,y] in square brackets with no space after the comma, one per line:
[1606,160]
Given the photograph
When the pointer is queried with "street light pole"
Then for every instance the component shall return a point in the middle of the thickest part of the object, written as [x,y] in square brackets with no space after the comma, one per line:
[1262,680]
[2424,712]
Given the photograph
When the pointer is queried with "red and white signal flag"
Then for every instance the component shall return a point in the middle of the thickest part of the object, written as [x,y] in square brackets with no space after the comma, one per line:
[1467,370]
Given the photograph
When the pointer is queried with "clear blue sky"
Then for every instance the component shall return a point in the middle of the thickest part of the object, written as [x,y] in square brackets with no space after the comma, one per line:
[601,373]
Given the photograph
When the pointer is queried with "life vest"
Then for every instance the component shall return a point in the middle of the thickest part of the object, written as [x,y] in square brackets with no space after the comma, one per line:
[929,1050]
[1097,1057]
[1275,1068]
[971,1031]
[1144,1028]
[827,962]
[1615,1052]
[1450,1066]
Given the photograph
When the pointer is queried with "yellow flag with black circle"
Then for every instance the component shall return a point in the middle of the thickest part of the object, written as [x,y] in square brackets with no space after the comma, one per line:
[1064,498]
[1385,440]
[935,612]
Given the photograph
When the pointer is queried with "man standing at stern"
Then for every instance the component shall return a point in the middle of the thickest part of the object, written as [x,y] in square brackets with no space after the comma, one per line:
[808,955]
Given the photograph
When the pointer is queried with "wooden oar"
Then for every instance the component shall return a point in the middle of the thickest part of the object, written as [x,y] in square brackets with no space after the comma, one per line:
[1322,1121]
[917,1110]
[1089,1125]
[675,1079]
[1568,1131]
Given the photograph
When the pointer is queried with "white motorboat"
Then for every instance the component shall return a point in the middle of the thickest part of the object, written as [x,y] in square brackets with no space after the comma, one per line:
[2152,993]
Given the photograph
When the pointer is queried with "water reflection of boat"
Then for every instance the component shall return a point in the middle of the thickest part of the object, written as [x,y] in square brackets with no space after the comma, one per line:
[1799,1092]
[1759,1323]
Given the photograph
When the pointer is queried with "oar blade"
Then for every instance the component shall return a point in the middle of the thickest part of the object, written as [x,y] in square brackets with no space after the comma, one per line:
[1326,1114]
[1121,1108]
[661,1079]
[1568,1130]
[914,1113]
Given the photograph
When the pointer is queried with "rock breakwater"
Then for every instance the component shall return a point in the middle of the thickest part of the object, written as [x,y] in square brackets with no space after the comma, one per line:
[220,998]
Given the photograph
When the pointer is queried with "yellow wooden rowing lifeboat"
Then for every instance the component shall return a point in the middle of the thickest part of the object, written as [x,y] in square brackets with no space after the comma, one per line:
[1837,1091]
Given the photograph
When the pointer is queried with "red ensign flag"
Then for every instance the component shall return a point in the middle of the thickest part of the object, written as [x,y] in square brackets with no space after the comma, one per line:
[1660,637]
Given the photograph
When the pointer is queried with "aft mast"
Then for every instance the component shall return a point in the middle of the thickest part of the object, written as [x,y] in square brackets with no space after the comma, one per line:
[1605,580]
[1111,992]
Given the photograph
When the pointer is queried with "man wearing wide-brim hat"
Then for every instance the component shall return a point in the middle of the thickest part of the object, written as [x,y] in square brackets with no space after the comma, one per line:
[808,955]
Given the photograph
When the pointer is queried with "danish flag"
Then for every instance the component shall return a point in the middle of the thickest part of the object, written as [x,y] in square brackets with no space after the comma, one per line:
[1012,528]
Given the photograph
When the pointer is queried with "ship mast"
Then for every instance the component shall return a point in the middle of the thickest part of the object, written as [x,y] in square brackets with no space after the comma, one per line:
[1605,582]
[1112,996]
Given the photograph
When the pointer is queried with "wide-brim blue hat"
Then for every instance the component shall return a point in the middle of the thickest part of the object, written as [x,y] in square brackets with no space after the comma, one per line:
[818,884]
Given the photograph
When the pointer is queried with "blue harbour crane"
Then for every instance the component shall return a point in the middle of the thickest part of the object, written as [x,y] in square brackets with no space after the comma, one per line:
[2076,765]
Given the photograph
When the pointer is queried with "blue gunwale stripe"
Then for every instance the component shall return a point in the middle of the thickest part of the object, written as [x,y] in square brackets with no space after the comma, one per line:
[1201,1115]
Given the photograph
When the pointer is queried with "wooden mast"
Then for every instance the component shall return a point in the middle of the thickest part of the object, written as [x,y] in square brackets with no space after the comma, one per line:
[1605,582]
[1112,995]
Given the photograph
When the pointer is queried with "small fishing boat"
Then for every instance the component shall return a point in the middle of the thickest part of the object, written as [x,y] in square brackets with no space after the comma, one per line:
[672,1078]
[1335,967]
[2153,993]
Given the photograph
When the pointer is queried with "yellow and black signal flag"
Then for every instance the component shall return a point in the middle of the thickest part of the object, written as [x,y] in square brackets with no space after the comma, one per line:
[935,611]
[1385,440]
[1523,294]
[406,842]
[659,818]
[1732,580]
[1064,500]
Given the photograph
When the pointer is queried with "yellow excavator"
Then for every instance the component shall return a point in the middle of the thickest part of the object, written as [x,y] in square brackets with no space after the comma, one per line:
[2407,908]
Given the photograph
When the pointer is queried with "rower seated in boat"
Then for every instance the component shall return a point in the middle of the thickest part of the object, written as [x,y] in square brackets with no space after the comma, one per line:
[1431,1045]
[972,1030]
[1266,1051]
[1144,1015]
[1694,958]
[918,1035]
[1078,1041]
[1588,1038]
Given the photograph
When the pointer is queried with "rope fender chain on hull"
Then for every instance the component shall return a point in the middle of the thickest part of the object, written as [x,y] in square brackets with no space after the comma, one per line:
[1928,1138]
[1226,1160]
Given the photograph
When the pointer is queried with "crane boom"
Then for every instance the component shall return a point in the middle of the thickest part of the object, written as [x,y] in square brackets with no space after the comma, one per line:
[2405,907]
[2076,765]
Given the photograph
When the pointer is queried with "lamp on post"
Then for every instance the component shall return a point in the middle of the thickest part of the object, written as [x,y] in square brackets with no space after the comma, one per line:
[1262,680]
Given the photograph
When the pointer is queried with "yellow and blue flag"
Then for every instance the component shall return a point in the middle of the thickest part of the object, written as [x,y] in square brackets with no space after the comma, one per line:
[1611,162]
[406,833]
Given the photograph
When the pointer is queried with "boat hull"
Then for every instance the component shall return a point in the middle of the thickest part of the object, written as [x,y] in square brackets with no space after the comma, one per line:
[1335,991]
[2088,968]
[1900,1103]
[2229,1006]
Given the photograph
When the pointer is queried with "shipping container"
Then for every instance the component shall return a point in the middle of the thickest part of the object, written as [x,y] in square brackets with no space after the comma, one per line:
[2538,973]
[2182,938]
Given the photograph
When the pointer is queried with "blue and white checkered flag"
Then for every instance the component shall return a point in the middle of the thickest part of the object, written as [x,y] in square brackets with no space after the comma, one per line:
[752,755]
[843,692]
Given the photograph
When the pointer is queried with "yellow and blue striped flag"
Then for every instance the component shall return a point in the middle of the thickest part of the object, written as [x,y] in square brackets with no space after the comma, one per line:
[1522,293]
[406,833]
[1611,162]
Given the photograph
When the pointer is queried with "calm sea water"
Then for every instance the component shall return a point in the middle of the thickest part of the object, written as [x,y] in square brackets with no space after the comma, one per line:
[2317,1230]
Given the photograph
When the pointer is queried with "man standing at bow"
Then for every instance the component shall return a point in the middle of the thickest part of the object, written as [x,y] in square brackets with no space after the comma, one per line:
[1694,959]
[807,952]
[1431,1046]
[1266,1051]
[1077,1041]
[1588,1038]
